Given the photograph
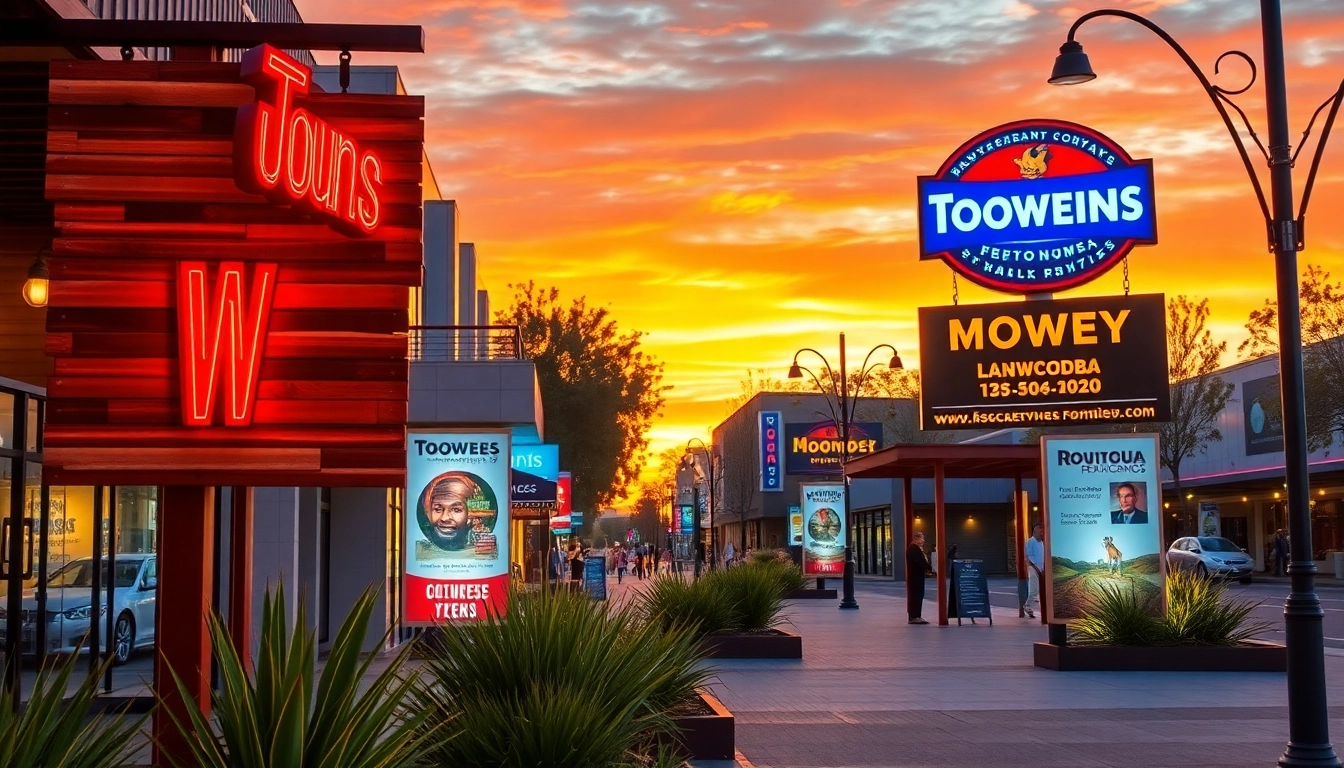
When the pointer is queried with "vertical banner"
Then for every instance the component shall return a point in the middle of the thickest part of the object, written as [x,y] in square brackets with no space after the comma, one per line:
[1210,522]
[823,514]
[457,526]
[1099,531]
[687,518]
[772,448]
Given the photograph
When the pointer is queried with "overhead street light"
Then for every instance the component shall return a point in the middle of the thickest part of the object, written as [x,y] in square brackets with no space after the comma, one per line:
[1308,717]
[841,403]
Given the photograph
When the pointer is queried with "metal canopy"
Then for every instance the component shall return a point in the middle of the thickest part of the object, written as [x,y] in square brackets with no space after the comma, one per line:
[385,38]
[958,460]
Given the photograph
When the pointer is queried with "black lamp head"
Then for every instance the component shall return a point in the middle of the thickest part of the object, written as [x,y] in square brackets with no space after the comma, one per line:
[895,363]
[1072,66]
[795,372]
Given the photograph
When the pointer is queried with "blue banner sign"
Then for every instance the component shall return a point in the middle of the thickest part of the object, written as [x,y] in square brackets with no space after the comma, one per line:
[1036,206]
[772,451]
[534,476]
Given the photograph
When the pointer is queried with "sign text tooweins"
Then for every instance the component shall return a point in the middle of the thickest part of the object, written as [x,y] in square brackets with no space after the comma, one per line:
[1036,206]
[816,448]
[1095,360]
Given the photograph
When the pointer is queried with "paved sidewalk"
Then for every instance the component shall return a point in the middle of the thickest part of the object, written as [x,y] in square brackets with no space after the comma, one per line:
[872,690]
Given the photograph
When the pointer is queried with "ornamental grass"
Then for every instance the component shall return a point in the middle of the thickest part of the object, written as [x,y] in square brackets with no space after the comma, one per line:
[1199,613]
[561,680]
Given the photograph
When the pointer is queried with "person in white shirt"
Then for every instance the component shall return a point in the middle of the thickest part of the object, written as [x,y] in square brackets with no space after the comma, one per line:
[728,552]
[1035,552]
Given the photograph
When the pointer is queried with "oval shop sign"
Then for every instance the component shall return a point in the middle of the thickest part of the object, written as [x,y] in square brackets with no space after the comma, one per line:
[1036,206]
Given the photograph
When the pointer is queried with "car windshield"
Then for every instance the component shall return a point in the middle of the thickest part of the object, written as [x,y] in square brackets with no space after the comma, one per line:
[1218,544]
[79,573]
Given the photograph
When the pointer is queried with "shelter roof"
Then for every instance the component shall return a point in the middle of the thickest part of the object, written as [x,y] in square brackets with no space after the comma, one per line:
[961,460]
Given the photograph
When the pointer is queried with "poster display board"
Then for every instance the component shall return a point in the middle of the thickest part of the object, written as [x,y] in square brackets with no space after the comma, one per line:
[815,448]
[795,525]
[823,512]
[772,451]
[457,526]
[687,517]
[1210,522]
[970,591]
[1094,360]
[1262,415]
[1099,532]
[595,574]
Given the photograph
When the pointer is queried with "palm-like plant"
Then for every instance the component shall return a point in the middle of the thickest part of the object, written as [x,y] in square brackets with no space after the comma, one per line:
[275,718]
[52,731]
[560,681]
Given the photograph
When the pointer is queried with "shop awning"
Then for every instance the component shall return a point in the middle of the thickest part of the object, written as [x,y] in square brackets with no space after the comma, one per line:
[958,460]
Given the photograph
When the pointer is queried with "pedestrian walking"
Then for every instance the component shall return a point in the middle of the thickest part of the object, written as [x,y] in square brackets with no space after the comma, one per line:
[653,559]
[622,560]
[1281,550]
[557,565]
[639,563]
[667,561]
[916,569]
[575,565]
[728,553]
[1035,554]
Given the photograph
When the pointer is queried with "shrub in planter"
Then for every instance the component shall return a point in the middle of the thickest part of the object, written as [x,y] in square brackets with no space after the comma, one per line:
[1198,613]
[703,606]
[754,591]
[275,718]
[51,731]
[560,681]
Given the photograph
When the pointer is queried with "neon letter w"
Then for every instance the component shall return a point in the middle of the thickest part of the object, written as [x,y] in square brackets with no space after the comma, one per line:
[225,324]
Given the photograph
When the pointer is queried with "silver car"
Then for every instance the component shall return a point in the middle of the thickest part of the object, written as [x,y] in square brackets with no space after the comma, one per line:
[69,614]
[1211,555]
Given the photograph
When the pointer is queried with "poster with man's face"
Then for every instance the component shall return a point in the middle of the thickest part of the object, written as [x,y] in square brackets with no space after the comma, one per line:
[457,526]
[1101,533]
[823,524]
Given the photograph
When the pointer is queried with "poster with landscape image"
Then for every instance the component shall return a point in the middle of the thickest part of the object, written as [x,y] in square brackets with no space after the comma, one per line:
[1101,532]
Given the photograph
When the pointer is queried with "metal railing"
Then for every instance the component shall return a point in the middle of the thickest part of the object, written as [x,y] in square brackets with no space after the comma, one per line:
[464,343]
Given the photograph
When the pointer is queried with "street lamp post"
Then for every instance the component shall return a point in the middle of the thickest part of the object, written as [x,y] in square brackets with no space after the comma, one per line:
[841,402]
[710,455]
[1308,717]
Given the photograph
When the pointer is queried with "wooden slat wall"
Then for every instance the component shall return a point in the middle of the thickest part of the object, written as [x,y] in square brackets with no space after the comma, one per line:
[139,167]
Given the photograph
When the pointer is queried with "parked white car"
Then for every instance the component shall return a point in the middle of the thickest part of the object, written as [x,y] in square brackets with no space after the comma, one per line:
[1211,555]
[69,614]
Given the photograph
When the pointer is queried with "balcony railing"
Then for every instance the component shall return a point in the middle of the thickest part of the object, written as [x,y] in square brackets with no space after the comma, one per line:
[442,343]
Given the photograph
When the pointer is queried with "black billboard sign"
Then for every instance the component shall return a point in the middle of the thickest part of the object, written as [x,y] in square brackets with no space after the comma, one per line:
[1095,360]
[1263,415]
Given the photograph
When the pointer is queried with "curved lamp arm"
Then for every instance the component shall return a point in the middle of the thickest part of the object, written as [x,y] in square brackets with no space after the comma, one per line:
[829,395]
[1216,94]
[866,369]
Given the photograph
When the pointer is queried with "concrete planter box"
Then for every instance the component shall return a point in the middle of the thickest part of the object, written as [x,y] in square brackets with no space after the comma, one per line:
[1254,656]
[812,594]
[709,736]
[776,644]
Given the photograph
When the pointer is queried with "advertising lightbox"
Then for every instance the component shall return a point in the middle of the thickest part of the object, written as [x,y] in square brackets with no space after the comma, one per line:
[1102,497]
[535,476]
[1067,362]
[816,448]
[1036,206]
[772,451]
[823,513]
[795,525]
[457,526]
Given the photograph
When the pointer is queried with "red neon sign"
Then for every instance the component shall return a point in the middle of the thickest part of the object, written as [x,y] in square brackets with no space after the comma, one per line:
[224,325]
[293,157]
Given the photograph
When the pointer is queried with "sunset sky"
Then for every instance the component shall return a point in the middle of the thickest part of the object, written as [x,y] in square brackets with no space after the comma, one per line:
[736,178]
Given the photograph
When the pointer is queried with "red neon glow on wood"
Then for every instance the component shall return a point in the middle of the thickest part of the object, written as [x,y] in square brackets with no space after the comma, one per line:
[237,327]
[292,156]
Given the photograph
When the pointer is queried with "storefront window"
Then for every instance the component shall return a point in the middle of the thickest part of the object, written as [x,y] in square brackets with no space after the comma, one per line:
[137,519]
[1327,526]
[6,421]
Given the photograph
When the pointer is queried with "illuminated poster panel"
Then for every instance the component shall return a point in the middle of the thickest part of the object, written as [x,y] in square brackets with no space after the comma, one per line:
[457,526]
[1103,522]
[823,512]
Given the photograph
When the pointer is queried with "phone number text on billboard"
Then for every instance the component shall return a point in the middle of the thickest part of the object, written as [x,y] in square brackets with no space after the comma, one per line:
[1093,360]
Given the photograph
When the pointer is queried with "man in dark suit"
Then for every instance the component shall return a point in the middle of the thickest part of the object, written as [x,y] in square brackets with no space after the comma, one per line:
[1128,512]
[916,568]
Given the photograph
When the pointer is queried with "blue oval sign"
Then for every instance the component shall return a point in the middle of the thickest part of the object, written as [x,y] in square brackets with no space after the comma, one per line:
[1036,206]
